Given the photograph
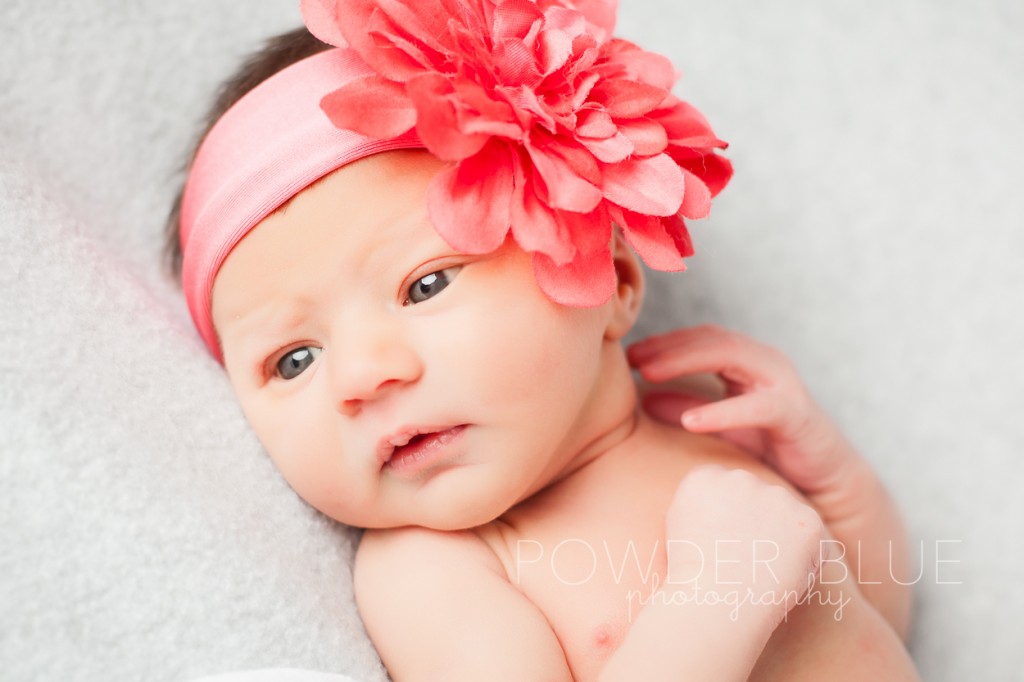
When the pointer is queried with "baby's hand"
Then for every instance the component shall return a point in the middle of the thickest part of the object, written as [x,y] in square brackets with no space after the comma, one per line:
[742,542]
[766,410]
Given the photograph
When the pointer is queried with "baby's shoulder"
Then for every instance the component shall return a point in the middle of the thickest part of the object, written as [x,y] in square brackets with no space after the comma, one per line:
[423,594]
[387,554]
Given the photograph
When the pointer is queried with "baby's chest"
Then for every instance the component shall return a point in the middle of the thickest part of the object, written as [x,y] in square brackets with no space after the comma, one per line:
[590,578]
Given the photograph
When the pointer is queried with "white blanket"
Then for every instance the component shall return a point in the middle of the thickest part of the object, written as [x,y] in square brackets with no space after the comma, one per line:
[873,232]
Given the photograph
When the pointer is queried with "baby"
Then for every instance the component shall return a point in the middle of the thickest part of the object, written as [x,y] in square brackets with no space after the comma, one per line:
[414,255]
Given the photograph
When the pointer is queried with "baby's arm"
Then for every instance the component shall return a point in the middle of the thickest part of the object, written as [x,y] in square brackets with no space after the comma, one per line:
[438,606]
[728,516]
[768,412]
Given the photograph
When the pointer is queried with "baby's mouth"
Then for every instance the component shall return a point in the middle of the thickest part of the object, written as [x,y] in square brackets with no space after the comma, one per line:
[414,446]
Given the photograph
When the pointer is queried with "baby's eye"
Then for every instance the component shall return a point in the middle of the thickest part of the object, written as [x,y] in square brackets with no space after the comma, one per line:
[431,285]
[294,362]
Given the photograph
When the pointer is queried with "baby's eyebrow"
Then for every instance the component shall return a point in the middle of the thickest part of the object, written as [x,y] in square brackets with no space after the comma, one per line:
[255,328]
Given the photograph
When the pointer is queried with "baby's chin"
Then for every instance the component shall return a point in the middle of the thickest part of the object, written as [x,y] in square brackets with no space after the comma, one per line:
[446,520]
[464,514]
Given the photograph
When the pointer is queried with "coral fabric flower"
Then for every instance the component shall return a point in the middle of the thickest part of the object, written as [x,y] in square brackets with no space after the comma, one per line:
[555,130]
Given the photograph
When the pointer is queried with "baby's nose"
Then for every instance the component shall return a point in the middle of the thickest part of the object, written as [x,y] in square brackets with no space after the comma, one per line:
[366,365]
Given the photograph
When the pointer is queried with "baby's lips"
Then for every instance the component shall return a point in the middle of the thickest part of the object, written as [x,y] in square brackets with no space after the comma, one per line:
[386,446]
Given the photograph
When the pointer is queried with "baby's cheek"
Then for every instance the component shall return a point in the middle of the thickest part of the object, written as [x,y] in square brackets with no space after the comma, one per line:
[318,480]
[499,352]
[291,439]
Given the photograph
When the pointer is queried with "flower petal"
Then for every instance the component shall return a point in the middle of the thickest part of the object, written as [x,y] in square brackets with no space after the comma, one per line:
[514,63]
[478,112]
[553,49]
[535,227]
[531,110]
[696,198]
[686,126]
[369,26]
[589,232]
[563,171]
[639,65]
[649,238]
[408,56]
[627,99]
[369,41]
[595,123]
[714,171]
[586,282]
[437,119]
[469,203]
[676,228]
[322,21]
[371,106]
[653,186]
[609,150]
[514,19]
[600,16]
[568,21]
[648,137]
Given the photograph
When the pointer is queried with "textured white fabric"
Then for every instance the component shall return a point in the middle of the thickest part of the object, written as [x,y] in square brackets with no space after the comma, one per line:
[872,232]
[275,675]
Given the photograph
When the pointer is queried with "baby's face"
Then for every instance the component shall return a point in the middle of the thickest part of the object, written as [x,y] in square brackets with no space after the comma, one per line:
[393,380]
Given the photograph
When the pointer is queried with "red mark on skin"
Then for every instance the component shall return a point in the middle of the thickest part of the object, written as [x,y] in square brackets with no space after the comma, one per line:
[606,637]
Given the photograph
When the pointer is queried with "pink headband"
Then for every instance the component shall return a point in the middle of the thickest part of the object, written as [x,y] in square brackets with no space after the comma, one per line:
[554,130]
[271,144]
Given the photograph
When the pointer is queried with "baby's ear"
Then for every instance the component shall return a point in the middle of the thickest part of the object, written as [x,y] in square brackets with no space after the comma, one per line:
[629,290]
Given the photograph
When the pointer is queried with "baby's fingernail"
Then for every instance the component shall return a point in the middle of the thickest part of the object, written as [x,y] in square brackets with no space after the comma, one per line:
[691,419]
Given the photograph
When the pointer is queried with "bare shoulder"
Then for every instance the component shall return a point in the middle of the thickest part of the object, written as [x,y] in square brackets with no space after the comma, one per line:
[381,549]
[409,567]
[691,450]
[438,605]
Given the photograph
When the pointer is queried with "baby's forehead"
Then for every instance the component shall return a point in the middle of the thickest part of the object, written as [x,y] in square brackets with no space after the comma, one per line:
[379,168]
[362,219]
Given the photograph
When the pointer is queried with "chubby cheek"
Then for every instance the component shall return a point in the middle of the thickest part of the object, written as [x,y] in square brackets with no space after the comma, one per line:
[506,342]
[527,352]
[323,484]
[303,450]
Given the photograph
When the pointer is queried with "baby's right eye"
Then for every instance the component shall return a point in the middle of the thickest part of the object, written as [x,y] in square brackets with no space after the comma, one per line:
[294,362]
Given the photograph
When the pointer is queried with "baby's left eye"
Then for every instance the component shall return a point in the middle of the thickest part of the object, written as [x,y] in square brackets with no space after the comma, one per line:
[431,285]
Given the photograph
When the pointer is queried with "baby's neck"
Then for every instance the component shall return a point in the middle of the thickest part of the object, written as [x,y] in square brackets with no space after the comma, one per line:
[612,440]
[608,425]
[637,443]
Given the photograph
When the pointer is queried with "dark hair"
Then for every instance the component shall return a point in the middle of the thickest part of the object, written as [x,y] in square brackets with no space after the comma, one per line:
[277,53]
